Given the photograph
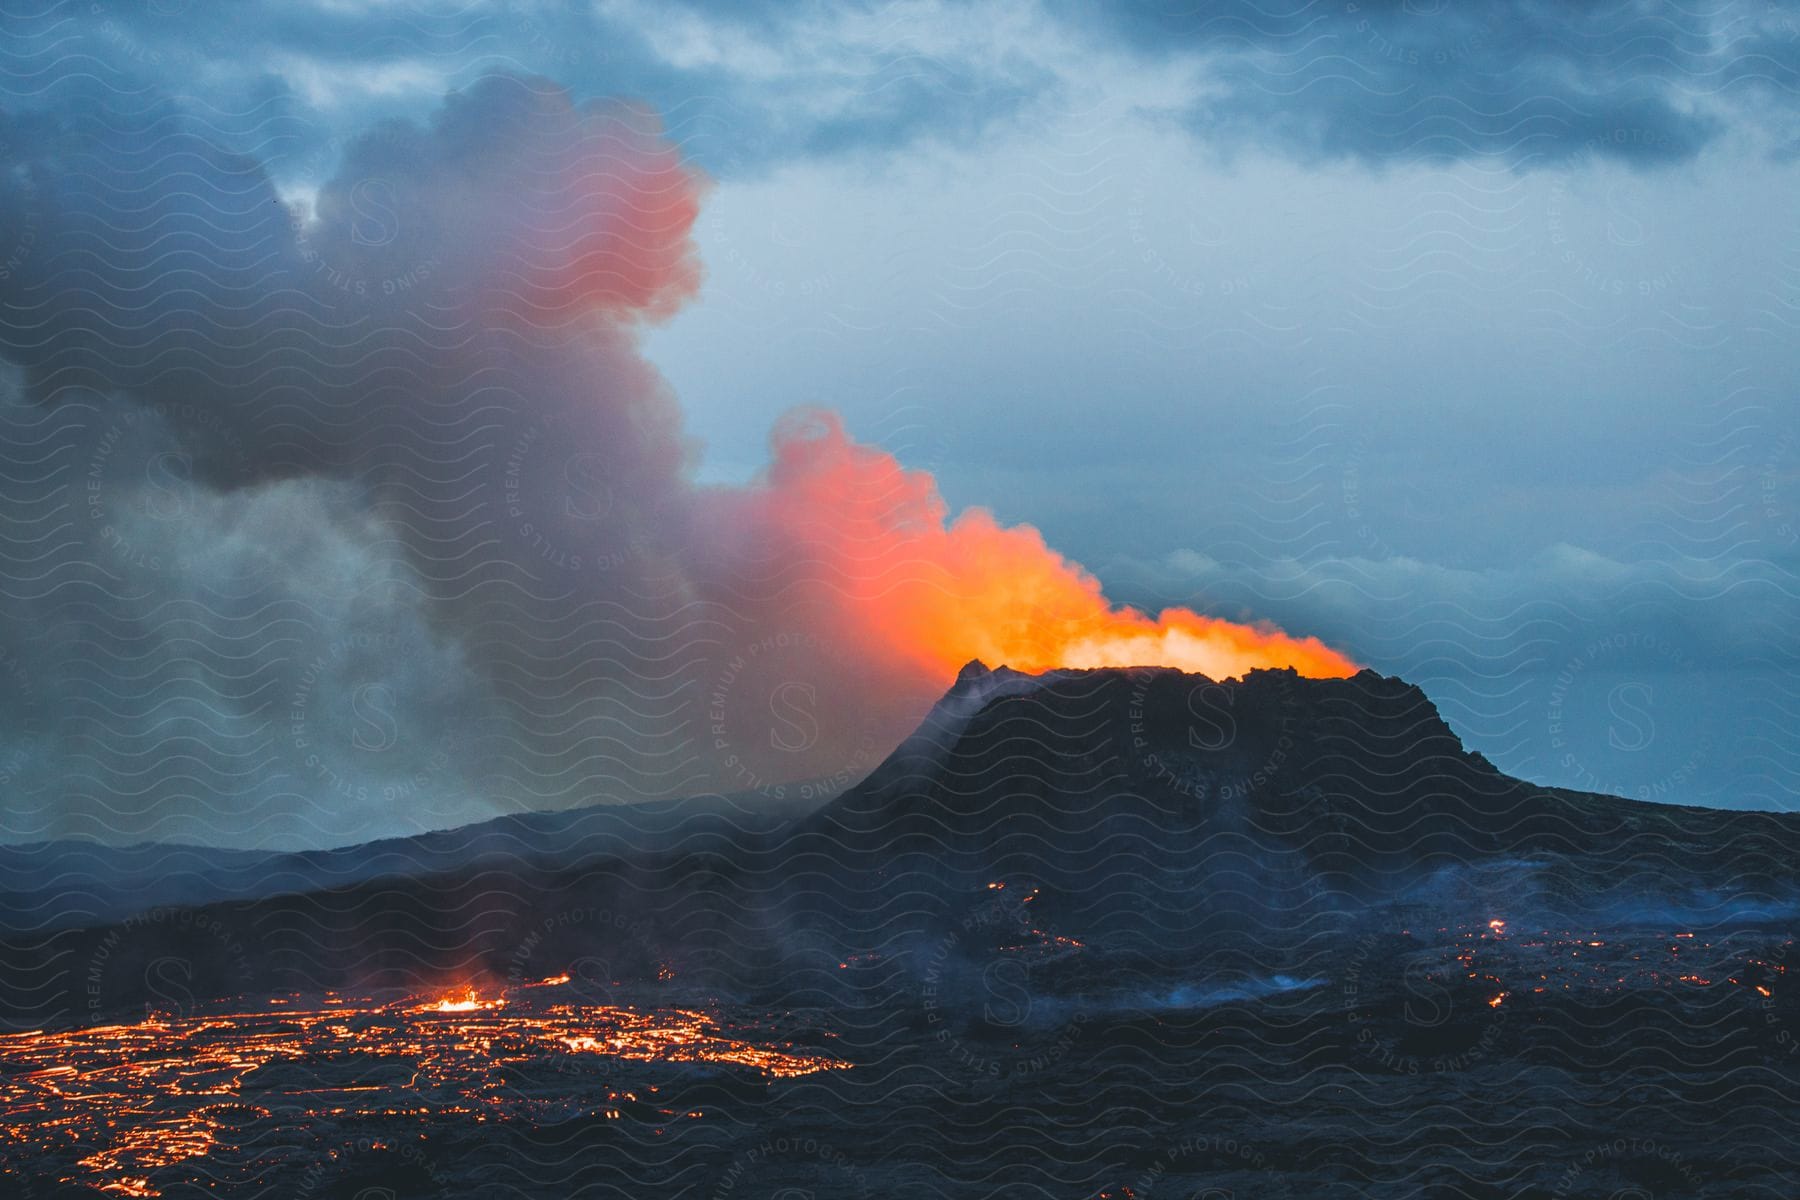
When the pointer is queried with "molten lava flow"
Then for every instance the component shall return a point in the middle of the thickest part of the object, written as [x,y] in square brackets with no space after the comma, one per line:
[121,1107]
[464,1001]
[875,550]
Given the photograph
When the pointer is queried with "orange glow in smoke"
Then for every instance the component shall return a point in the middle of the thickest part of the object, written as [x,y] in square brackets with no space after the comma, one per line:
[881,555]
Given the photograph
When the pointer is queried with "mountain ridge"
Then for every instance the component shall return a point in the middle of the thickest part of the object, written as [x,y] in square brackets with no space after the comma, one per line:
[1149,810]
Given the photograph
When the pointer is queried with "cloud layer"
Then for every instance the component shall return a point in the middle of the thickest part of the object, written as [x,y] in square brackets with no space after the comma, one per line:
[1528,81]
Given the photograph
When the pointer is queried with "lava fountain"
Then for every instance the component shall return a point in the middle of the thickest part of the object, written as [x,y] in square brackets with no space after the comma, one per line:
[847,529]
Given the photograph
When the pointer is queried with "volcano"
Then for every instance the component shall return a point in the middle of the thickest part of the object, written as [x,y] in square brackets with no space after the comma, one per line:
[1103,909]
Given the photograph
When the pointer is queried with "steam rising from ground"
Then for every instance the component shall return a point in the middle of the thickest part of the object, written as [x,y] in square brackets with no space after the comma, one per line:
[359,503]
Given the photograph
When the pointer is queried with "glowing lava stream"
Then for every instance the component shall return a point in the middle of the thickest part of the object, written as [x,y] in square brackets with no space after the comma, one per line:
[118,1102]
[886,565]
[468,1001]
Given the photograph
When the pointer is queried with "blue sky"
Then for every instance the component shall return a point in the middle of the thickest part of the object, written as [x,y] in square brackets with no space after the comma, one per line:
[1459,335]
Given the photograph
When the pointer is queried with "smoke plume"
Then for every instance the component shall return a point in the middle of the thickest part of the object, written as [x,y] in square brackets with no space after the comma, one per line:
[352,509]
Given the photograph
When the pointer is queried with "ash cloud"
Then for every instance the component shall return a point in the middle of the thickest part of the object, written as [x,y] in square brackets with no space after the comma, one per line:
[353,513]
[357,511]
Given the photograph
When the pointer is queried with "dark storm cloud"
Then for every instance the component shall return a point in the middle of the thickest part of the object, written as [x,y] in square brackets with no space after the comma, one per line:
[784,83]
[1530,81]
